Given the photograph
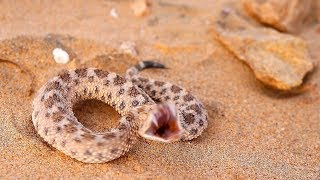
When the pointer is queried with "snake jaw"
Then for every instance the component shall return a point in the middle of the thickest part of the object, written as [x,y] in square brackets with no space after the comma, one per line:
[162,124]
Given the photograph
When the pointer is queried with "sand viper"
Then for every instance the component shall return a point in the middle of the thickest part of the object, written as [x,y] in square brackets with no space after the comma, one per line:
[153,109]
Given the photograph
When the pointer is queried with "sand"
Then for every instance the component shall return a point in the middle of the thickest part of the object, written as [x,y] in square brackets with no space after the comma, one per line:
[253,132]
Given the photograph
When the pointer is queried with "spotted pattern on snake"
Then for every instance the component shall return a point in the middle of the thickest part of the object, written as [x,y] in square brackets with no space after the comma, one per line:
[191,112]
[177,115]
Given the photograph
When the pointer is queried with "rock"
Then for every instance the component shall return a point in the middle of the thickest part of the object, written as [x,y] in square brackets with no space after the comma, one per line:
[140,7]
[284,15]
[60,56]
[128,47]
[278,60]
[113,13]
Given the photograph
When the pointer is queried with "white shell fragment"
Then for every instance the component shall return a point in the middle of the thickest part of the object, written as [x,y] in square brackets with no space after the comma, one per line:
[114,13]
[60,56]
[128,47]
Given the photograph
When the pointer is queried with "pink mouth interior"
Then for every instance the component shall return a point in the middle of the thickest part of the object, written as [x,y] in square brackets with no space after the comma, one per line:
[164,125]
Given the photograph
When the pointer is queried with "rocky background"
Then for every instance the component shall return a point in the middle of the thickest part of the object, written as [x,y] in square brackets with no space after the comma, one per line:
[253,64]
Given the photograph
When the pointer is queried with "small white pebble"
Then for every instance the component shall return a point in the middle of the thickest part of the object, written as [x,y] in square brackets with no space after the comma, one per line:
[129,48]
[140,7]
[60,56]
[114,13]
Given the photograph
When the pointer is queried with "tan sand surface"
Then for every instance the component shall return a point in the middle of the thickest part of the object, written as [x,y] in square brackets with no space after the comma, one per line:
[253,132]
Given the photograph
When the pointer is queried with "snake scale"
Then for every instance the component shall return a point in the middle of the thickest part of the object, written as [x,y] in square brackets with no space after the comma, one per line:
[152,109]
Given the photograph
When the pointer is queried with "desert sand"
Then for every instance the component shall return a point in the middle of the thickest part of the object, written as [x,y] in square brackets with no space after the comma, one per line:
[254,131]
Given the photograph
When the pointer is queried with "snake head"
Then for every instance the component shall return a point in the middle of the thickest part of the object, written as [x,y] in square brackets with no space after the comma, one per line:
[162,124]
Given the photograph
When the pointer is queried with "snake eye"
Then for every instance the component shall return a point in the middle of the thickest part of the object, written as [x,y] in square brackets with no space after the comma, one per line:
[162,124]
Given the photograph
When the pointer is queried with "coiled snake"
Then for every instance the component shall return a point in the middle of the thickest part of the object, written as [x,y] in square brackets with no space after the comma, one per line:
[153,109]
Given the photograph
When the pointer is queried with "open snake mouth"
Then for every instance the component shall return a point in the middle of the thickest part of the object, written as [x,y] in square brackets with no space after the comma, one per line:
[162,124]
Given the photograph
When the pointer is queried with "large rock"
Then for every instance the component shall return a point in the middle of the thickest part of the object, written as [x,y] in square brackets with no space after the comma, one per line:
[284,15]
[278,60]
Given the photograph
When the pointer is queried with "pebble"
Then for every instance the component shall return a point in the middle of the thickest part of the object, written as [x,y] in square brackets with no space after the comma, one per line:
[114,13]
[129,47]
[140,7]
[60,56]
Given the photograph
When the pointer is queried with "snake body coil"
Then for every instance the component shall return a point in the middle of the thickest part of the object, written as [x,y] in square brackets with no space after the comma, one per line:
[178,116]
